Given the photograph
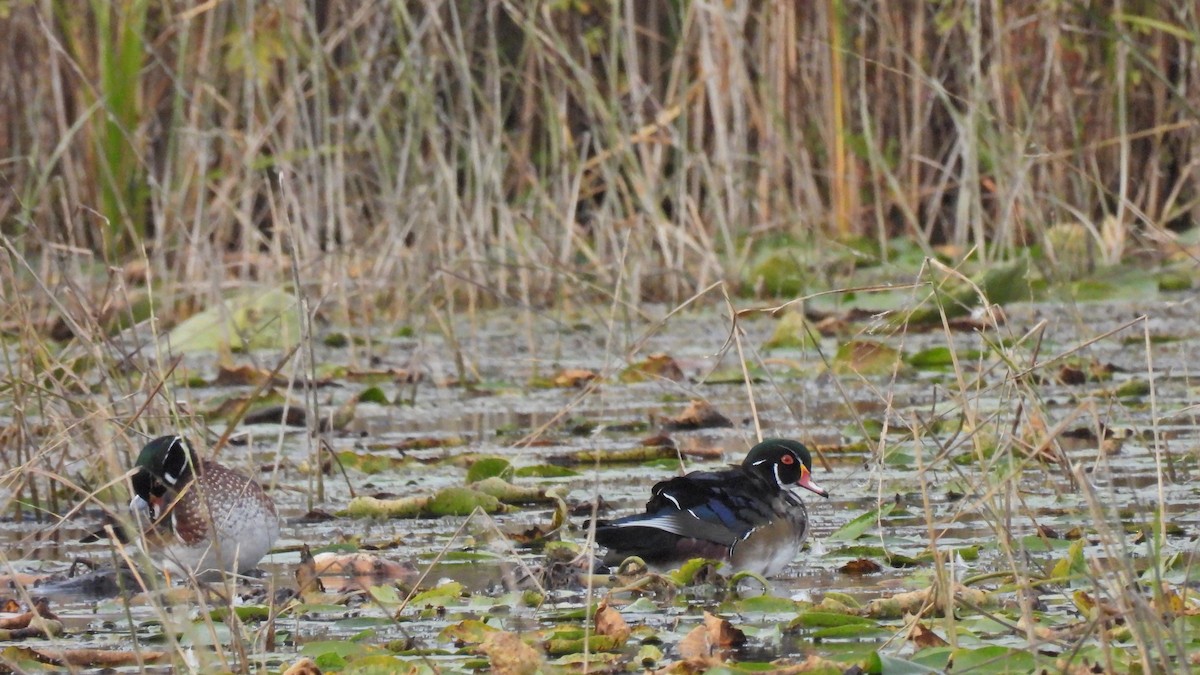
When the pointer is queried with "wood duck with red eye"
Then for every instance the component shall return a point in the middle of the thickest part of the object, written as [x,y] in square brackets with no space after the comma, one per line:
[199,516]
[746,515]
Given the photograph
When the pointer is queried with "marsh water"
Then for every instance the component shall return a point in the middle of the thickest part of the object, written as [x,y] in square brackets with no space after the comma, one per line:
[1001,460]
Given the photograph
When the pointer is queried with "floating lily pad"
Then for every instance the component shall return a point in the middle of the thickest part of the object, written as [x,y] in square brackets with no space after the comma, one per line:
[545,471]
[456,501]
[792,332]
[865,357]
[369,462]
[859,526]
[939,357]
[373,395]
[1000,283]
[815,619]
[250,320]
[471,631]
[452,501]
[1134,387]
[518,494]
[487,467]
[780,272]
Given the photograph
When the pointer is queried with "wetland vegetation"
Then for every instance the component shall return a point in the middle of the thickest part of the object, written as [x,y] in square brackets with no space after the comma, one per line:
[452,278]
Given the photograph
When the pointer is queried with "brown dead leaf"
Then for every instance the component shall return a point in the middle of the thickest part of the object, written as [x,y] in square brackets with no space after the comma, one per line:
[360,564]
[573,377]
[102,658]
[340,572]
[304,666]
[37,628]
[509,655]
[41,610]
[919,601]
[695,646]
[1171,603]
[397,375]
[290,416]
[654,367]
[698,415]
[1089,604]
[1071,375]
[96,658]
[229,375]
[658,441]
[610,622]
[831,325]
[923,637]
[722,633]
[1041,631]
[710,639]
[16,621]
[10,606]
[1048,532]
[860,567]
[526,536]
[428,443]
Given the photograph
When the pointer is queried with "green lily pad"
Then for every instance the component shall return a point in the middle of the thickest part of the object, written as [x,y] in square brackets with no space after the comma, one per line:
[892,665]
[438,595]
[766,604]
[859,526]
[461,501]
[780,272]
[471,631]
[815,619]
[1127,285]
[340,648]
[791,332]
[856,631]
[369,462]
[373,395]
[1000,283]
[940,357]
[250,320]
[993,659]
[1131,388]
[545,471]
[244,613]
[865,357]
[487,467]
[686,574]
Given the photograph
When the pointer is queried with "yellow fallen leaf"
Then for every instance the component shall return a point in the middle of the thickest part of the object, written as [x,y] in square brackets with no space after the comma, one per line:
[509,655]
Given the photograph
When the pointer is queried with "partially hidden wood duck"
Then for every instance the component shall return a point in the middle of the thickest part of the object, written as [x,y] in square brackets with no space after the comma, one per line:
[200,517]
[746,515]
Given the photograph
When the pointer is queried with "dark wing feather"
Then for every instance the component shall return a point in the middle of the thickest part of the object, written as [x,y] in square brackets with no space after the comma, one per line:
[719,507]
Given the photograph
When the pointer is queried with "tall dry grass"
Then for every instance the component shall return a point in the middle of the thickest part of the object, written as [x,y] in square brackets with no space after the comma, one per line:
[516,150]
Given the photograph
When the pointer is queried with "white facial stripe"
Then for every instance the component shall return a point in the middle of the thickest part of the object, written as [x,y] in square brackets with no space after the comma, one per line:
[673,500]
[759,462]
[778,480]
[171,479]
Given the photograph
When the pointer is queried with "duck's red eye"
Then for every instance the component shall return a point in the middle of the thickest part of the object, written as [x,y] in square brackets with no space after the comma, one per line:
[787,459]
